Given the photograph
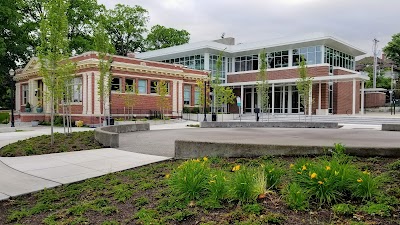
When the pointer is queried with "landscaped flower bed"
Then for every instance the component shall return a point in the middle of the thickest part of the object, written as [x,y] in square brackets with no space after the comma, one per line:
[335,189]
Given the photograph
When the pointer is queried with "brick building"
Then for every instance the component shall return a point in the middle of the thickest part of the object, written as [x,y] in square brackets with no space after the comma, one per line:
[126,72]
[337,87]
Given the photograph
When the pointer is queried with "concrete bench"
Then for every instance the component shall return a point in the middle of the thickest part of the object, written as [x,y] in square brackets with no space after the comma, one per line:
[109,136]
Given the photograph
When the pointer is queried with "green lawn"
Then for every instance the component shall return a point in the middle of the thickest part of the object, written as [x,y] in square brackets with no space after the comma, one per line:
[75,141]
[4,117]
[152,195]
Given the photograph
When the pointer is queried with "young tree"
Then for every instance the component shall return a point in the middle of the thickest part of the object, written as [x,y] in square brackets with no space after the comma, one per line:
[53,51]
[163,101]
[200,100]
[392,49]
[262,84]
[216,85]
[104,48]
[304,85]
[163,37]
[227,97]
[130,98]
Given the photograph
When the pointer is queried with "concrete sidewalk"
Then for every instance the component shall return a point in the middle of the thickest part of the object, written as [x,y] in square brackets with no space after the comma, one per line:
[22,175]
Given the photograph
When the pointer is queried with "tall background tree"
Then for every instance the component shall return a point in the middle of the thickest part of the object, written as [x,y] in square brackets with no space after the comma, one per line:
[392,50]
[126,26]
[53,52]
[163,37]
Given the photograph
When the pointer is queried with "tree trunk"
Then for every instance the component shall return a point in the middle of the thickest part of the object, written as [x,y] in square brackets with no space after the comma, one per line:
[52,118]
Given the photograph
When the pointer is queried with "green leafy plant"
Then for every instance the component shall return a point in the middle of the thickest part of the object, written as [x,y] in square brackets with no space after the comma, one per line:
[218,185]
[377,209]
[190,179]
[253,208]
[296,197]
[244,186]
[273,174]
[343,209]
[365,186]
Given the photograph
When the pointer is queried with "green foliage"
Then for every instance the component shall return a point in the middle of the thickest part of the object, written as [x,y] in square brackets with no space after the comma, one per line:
[343,209]
[200,100]
[163,37]
[253,208]
[273,174]
[304,84]
[122,192]
[392,49]
[394,165]
[218,185]
[296,197]
[125,26]
[190,179]
[162,100]
[377,209]
[262,83]
[247,184]
[146,216]
[4,116]
[365,186]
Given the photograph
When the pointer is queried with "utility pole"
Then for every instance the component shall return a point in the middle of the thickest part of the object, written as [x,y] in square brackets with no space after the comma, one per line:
[375,61]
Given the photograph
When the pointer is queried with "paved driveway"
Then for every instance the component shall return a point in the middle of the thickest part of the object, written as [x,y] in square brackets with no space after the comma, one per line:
[161,142]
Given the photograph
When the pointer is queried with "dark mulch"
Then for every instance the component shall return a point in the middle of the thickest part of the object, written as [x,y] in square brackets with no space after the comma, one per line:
[142,196]
[75,141]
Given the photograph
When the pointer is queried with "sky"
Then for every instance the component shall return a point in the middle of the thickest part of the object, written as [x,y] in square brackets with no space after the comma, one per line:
[357,22]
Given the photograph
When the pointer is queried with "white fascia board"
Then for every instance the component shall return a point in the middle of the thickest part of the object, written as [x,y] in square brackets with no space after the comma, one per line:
[336,78]
[278,43]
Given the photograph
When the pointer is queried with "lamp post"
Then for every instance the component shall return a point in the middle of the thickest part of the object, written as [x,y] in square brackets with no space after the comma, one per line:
[205,101]
[12,73]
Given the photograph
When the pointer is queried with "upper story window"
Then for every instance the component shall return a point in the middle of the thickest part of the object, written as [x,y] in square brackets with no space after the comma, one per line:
[213,66]
[312,55]
[246,63]
[193,61]
[278,59]
[339,59]
[116,84]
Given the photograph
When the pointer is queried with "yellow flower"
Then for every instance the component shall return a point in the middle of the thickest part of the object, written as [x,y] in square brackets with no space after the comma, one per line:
[328,168]
[291,165]
[211,181]
[298,172]
[336,173]
[320,182]
[313,175]
[205,159]
[167,175]
[303,167]
[359,180]
[197,160]
[366,172]
[236,168]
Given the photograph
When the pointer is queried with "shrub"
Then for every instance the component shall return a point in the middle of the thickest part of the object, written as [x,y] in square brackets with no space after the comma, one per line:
[296,197]
[343,209]
[246,184]
[394,165]
[190,179]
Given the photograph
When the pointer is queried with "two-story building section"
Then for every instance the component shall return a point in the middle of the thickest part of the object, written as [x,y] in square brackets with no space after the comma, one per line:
[337,88]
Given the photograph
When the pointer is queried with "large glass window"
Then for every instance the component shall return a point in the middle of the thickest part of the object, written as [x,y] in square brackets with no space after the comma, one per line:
[213,66]
[25,94]
[312,55]
[278,59]
[142,85]
[246,63]
[153,86]
[339,59]
[76,89]
[130,85]
[187,94]
[193,61]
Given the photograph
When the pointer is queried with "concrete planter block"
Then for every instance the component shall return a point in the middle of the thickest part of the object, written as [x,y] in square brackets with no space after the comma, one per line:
[391,127]
[109,136]
[268,125]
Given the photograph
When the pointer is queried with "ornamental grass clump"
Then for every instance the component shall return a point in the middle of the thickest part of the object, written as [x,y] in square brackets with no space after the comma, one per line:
[295,196]
[273,175]
[365,186]
[218,185]
[247,184]
[190,179]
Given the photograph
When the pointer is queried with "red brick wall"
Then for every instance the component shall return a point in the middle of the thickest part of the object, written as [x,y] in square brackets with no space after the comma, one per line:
[324,97]
[376,99]
[75,109]
[343,97]
[279,74]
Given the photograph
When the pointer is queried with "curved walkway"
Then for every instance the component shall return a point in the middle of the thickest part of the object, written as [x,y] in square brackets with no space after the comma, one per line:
[160,142]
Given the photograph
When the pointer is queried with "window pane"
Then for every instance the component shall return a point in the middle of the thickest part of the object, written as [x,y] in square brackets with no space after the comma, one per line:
[311,49]
[285,52]
[285,61]
[129,85]
[318,59]
[311,58]
[153,86]
[142,86]
[115,84]
[303,50]
[187,94]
